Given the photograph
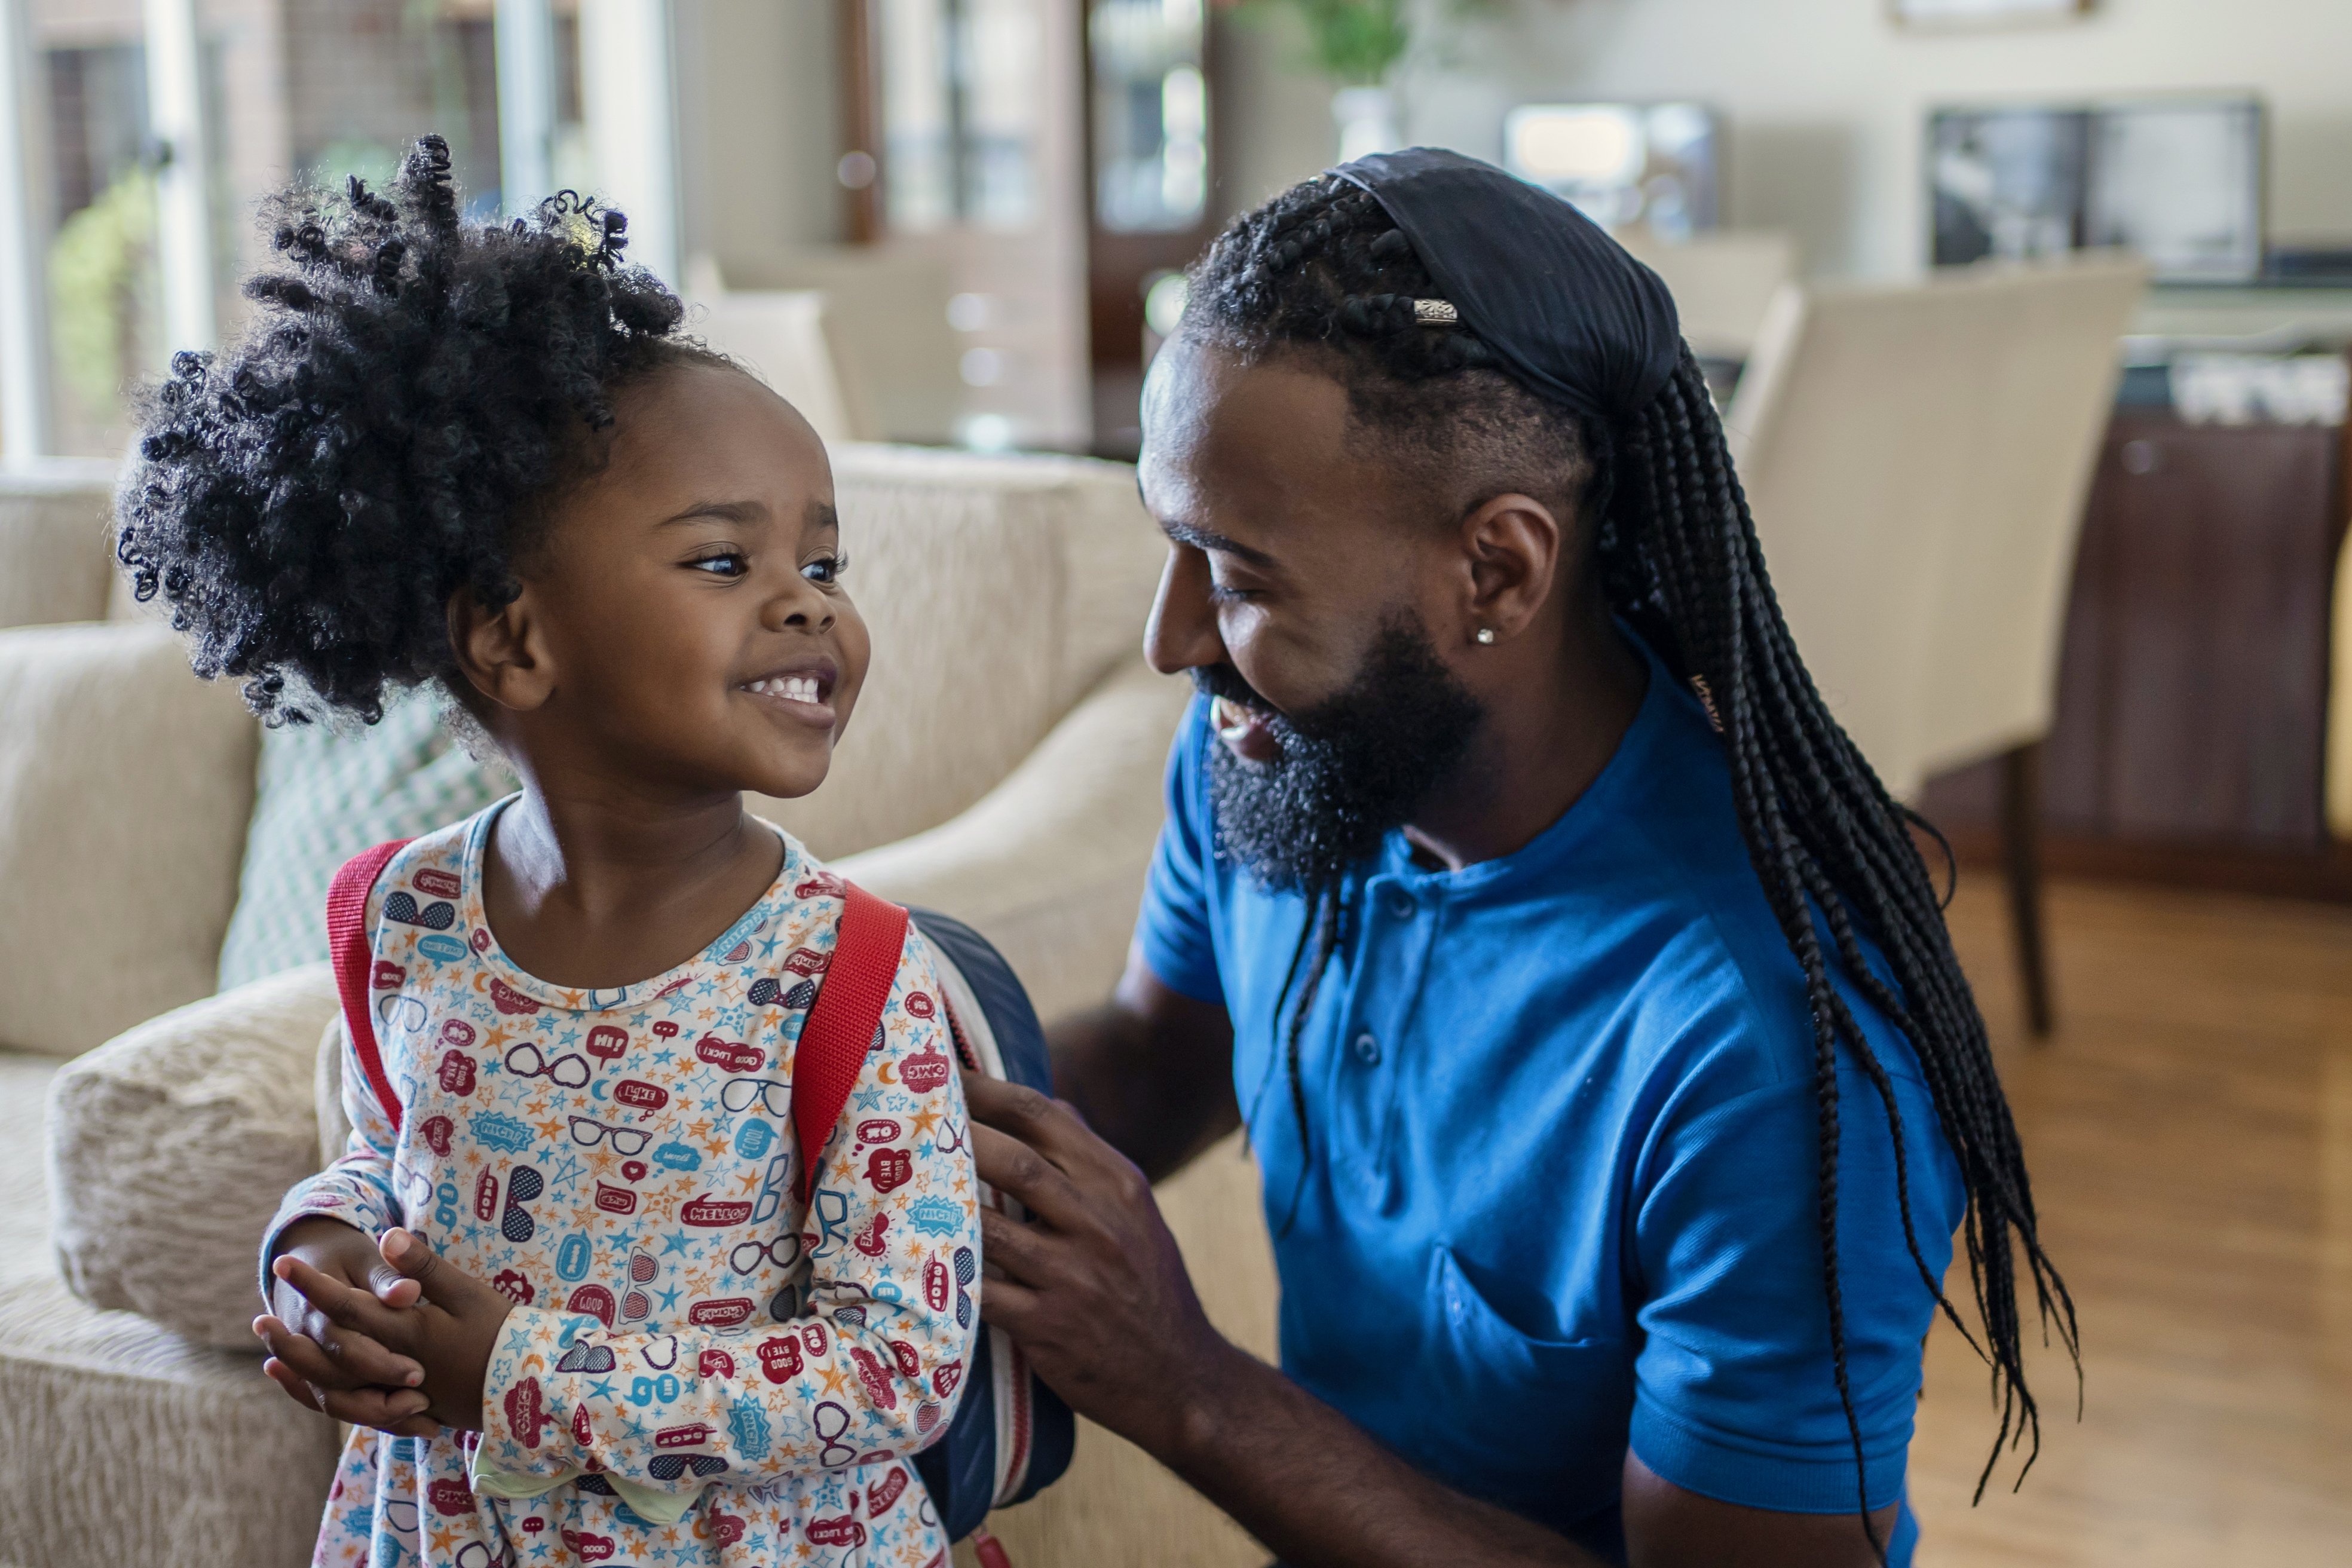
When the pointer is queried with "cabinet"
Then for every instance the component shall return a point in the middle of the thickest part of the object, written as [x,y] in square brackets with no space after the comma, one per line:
[2191,715]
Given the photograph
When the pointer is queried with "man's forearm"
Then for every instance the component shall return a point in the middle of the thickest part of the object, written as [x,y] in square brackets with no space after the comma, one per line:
[1321,1493]
[1151,1073]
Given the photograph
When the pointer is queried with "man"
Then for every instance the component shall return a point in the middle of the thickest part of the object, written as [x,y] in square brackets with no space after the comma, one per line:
[1590,1011]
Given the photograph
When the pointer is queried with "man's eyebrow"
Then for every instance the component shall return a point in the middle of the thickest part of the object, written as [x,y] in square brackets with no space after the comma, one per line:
[1208,539]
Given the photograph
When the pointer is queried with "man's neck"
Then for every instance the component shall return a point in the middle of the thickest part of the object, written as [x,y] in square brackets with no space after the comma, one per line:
[1547,734]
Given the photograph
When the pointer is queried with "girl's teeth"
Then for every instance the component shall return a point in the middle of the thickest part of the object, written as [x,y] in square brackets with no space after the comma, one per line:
[790,688]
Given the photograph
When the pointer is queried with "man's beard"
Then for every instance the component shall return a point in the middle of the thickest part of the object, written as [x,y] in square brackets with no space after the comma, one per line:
[1352,769]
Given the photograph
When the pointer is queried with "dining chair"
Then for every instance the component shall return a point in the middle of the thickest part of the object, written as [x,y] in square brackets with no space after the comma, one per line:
[1917,456]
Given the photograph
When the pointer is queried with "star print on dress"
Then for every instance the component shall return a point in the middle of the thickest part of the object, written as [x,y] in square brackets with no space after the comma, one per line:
[698,1369]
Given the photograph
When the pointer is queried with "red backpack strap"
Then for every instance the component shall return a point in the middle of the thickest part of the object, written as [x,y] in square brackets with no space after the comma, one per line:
[843,1021]
[353,957]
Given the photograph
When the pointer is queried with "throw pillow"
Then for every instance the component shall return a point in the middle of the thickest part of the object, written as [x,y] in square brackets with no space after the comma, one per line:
[324,796]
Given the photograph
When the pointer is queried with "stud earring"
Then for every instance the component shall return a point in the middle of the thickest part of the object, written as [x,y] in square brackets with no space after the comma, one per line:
[1486,637]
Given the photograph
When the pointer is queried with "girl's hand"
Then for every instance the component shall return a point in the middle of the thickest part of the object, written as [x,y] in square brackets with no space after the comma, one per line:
[328,1367]
[447,1333]
[458,1321]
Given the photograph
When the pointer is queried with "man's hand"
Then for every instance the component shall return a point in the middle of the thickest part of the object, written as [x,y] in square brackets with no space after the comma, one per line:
[321,1364]
[443,1321]
[1094,1289]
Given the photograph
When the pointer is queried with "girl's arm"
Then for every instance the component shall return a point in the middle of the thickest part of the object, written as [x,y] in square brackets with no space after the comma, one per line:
[329,1223]
[357,1189]
[872,1367]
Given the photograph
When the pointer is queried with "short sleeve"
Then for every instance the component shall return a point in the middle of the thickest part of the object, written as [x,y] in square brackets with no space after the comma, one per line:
[1736,1395]
[1172,931]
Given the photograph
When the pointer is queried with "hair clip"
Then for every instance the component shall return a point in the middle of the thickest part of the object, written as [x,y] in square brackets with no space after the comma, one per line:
[1435,314]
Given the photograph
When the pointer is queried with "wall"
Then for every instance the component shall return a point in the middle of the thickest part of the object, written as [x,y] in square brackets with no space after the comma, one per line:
[1827,98]
[760,122]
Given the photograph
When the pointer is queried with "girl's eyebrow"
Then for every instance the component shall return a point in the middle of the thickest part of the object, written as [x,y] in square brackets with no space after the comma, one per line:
[719,511]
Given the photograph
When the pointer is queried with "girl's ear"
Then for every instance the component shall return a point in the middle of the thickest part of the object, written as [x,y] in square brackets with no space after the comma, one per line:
[502,652]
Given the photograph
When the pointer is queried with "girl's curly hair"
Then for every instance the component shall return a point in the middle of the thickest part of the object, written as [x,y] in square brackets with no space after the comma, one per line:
[410,392]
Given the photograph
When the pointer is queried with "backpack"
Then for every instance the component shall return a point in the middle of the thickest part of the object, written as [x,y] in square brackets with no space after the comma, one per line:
[1012,1435]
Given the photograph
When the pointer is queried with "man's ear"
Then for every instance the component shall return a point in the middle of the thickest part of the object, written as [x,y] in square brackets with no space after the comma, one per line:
[1512,545]
[501,653]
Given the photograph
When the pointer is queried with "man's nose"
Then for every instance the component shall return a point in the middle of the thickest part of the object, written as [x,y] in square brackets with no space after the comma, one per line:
[1182,632]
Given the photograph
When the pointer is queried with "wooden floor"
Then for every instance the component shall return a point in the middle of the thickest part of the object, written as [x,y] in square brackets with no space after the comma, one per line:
[2190,1132]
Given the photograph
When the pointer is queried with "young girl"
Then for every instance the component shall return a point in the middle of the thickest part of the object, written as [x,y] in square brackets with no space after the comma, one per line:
[601,1324]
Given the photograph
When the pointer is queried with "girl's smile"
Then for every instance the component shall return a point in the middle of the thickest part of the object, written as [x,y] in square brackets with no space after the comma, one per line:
[801,692]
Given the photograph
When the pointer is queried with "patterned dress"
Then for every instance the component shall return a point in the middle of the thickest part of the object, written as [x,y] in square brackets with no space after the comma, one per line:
[699,1368]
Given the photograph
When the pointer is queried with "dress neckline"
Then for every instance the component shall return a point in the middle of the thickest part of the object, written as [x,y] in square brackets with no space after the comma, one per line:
[721,950]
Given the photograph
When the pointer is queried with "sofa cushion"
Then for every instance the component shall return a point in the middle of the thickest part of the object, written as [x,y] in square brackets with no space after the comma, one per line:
[170,1147]
[1111,553]
[1050,865]
[56,545]
[323,797]
[124,787]
[119,1441]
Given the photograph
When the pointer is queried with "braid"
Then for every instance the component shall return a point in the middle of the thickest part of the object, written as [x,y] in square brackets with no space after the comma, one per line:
[1320,933]
[1322,271]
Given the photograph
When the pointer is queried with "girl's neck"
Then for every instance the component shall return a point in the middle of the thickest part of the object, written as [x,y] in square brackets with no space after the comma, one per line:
[604,886]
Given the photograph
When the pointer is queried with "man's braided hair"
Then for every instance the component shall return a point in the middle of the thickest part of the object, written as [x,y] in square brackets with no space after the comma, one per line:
[1321,272]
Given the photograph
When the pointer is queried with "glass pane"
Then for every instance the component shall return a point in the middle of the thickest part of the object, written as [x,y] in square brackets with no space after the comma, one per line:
[960,102]
[105,320]
[424,68]
[1150,115]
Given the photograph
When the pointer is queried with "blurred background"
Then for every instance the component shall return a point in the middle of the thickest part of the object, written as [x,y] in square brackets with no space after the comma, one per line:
[2030,320]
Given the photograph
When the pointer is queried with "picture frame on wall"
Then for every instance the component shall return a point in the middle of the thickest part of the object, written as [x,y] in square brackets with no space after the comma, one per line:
[2177,178]
[1942,14]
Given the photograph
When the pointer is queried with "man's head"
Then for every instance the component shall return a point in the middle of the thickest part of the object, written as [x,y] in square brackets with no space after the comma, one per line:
[1376,536]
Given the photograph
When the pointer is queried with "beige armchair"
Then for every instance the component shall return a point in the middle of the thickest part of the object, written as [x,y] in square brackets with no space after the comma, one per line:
[1004,766]
[1918,458]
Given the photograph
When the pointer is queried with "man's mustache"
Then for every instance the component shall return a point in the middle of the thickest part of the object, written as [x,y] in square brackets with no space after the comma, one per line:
[1223,680]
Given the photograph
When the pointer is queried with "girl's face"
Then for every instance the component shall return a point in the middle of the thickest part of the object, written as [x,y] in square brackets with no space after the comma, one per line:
[683,627]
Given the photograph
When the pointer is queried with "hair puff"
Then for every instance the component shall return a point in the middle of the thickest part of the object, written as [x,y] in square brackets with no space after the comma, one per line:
[307,501]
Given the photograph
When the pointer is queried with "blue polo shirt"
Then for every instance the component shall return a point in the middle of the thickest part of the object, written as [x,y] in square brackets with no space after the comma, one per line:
[1564,1192]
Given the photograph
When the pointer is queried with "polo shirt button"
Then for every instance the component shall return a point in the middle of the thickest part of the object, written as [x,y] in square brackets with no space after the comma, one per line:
[1402,904]
[1367,1048]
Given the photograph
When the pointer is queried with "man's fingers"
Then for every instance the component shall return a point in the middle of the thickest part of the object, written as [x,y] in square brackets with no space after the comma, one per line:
[1057,1132]
[1036,1119]
[1010,1165]
[1011,1306]
[1022,1252]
